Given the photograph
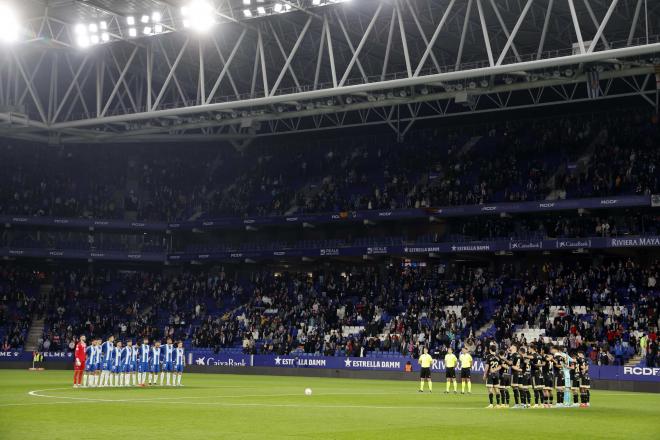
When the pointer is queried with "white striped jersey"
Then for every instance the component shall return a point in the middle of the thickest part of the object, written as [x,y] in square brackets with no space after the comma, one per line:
[96,354]
[145,353]
[108,349]
[126,355]
[168,353]
[134,353]
[155,356]
[117,356]
[178,358]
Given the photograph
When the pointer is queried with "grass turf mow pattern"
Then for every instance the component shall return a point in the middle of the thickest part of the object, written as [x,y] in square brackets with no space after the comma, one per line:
[43,405]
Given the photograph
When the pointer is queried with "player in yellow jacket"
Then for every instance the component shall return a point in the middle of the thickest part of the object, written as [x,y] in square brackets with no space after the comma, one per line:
[466,368]
[425,361]
[450,369]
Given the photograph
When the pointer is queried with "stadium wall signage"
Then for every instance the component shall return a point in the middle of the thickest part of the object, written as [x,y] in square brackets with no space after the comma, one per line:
[335,217]
[347,251]
[374,363]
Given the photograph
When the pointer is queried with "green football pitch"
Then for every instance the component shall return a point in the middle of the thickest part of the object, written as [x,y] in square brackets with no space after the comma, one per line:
[42,405]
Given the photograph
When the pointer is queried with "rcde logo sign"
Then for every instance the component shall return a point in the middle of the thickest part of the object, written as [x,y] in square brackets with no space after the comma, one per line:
[641,371]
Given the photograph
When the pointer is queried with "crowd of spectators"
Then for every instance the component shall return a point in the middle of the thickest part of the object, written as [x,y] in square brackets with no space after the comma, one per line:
[18,288]
[570,156]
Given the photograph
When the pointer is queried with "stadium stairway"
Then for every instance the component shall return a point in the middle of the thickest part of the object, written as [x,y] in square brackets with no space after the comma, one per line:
[36,330]
[485,329]
[633,361]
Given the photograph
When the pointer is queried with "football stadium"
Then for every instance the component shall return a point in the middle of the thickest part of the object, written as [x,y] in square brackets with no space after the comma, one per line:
[329,219]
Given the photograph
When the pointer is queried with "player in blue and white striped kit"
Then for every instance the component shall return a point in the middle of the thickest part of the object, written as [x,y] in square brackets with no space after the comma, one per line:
[126,364]
[116,365]
[155,364]
[168,361]
[144,365]
[107,352]
[90,365]
[179,362]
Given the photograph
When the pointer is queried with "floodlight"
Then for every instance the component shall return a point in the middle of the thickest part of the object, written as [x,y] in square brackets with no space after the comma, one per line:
[156,17]
[80,29]
[94,39]
[144,19]
[198,15]
[316,2]
[103,25]
[158,29]
[278,7]
[261,10]
[9,25]
[130,20]
[93,28]
[247,13]
[105,37]
[83,41]
[247,2]
[132,32]
[146,30]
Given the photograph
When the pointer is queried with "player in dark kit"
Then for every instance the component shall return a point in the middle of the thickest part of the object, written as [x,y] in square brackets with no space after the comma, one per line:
[585,381]
[525,380]
[537,376]
[575,378]
[505,379]
[492,375]
[548,377]
[514,361]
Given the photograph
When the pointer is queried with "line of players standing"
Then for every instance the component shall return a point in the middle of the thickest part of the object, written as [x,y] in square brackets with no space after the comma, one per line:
[107,364]
[525,370]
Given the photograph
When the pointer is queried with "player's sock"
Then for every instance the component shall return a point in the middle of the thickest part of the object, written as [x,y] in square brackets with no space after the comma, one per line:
[529,397]
[560,396]
[502,396]
[490,398]
[497,397]
[462,387]
[516,396]
[588,396]
[447,389]
[536,396]
[421,385]
[85,379]
[430,384]
[169,376]
[162,376]
[469,386]
[507,394]
[455,386]
[179,379]
[575,398]
[551,397]
[523,396]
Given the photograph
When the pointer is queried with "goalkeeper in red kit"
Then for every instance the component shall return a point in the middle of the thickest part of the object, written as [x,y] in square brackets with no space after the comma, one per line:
[79,362]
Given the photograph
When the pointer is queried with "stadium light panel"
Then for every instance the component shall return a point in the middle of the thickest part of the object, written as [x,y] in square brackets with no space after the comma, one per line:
[247,2]
[83,41]
[103,25]
[93,28]
[247,13]
[80,29]
[132,32]
[156,17]
[130,20]
[316,2]
[9,24]
[144,19]
[147,30]
[261,10]
[105,37]
[94,39]
[278,7]
[198,15]
[158,29]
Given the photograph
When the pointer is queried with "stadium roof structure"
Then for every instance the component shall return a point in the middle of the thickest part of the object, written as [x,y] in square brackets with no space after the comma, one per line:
[86,71]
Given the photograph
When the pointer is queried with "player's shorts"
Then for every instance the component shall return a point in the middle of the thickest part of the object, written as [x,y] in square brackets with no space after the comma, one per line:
[107,365]
[575,383]
[585,382]
[97,366]
[548,381]
[515,379]
[537,381]
[168,366]
[155,368]
[116,369]
[89,367]
[492,380]
[135,366]
[179,369]
[80,367]
[425,373]
[144,367]
[505,380]
[465,373]
[525,380]
[450,373]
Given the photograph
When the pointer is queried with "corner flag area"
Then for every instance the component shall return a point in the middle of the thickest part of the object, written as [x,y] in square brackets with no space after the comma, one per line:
[44,406]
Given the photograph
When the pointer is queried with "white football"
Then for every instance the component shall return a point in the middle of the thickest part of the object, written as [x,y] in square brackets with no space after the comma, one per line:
[308,391]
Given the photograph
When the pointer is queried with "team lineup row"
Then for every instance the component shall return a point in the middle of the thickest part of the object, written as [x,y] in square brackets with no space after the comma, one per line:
[104,364]
[541,371]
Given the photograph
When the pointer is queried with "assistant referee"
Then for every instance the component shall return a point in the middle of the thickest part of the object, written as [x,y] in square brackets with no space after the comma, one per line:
[425,361]
[450,369]
[466,367]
